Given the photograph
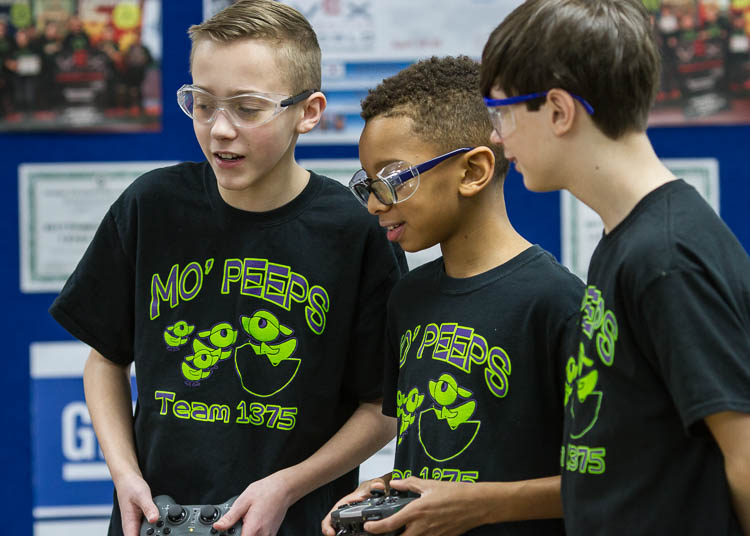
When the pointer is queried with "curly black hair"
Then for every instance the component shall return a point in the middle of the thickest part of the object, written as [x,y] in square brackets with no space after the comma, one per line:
[441,96]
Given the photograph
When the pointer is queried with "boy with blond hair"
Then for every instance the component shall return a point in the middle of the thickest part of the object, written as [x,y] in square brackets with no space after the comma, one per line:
[474,337]
[248,292]
[657,386]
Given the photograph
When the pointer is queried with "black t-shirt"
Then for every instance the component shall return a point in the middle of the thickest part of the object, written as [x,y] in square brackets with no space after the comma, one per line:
[473,373]
[254,335]
[663,342]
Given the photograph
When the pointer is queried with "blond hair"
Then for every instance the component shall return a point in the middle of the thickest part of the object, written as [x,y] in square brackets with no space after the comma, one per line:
[284,27]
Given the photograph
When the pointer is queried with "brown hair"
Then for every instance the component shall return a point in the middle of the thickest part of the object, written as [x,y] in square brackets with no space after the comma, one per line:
[267,20]
[441,96]
[601,50]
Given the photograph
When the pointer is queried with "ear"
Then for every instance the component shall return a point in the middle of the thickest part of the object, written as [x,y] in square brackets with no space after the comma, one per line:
[479,169]
[562,106]
[312,111]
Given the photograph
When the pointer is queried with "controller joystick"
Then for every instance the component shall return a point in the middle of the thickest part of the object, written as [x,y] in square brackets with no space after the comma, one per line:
[193,520]
[209,514]
[349,519]
[176,514]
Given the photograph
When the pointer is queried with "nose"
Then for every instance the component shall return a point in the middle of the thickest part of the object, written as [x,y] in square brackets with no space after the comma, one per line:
[222,126]
[495,137]
[374,206]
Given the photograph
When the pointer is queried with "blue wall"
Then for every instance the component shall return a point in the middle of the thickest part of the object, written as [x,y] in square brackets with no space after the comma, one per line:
[24,316]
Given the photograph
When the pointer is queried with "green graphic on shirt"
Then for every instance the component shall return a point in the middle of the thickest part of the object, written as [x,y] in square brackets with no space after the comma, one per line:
[260,279]
[206,355]
[406,407]
[462,348]
[177,335]
[265,364]
[583,394]
[585,403]
[445,430]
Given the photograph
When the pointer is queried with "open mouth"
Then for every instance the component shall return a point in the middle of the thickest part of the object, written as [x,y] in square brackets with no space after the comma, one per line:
[228,157]
[393,232]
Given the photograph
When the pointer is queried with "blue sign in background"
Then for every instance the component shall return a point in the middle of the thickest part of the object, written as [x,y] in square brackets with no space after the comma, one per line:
[69,471]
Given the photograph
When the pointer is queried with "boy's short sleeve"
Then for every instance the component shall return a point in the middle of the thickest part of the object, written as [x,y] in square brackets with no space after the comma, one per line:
[701,342]
[96,303]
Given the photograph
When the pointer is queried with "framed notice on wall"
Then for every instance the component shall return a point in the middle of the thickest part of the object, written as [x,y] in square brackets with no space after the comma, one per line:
[60,208]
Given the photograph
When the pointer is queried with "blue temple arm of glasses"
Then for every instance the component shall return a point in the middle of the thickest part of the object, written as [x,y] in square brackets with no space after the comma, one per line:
[532,96]
[425,166]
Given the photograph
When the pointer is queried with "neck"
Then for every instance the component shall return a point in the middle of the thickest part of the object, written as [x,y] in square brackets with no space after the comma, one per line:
[616,175]
[485,240]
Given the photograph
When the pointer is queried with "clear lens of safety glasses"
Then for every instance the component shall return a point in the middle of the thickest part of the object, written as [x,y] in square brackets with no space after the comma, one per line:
[393,184]
[247,110]
[503,119]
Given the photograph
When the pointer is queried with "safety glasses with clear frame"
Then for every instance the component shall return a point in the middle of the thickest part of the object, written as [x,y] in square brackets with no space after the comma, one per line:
[501,112]
[247,110]
[396,182]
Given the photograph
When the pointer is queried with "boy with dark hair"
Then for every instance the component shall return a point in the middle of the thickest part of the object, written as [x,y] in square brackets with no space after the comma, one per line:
[474,337]
[250,294]
[657,387]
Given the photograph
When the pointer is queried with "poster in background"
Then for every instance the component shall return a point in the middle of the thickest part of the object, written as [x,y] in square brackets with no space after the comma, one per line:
[72,487]
[60,208]
[92,65]
[365,41]
[705,47]
[582,228]
[342,170]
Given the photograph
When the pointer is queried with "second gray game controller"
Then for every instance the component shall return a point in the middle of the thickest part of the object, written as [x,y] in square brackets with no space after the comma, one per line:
[194,520]
[349,519]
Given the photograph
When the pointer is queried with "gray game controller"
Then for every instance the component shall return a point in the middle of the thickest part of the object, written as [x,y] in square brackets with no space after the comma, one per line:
[194,520]
[349,519]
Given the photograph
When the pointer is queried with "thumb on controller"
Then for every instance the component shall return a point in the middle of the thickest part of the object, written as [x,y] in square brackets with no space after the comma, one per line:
[150,511]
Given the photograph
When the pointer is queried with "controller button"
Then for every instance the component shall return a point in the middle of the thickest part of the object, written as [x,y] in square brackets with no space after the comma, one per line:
[160,523]
[377,492]
[214,531]
[167,530]
[150,531]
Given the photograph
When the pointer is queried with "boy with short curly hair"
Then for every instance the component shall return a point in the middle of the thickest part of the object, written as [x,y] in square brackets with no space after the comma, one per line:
[474,337]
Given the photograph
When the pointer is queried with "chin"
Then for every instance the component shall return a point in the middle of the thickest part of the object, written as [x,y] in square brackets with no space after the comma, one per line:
[539,187]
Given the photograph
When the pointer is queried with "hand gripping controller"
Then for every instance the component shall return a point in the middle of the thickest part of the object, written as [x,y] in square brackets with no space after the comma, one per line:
[193,520]
[350,518]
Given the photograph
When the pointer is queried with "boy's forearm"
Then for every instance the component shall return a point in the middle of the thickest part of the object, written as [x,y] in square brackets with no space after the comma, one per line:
[732,433]
[366,431]
[500,502]
[108,397]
